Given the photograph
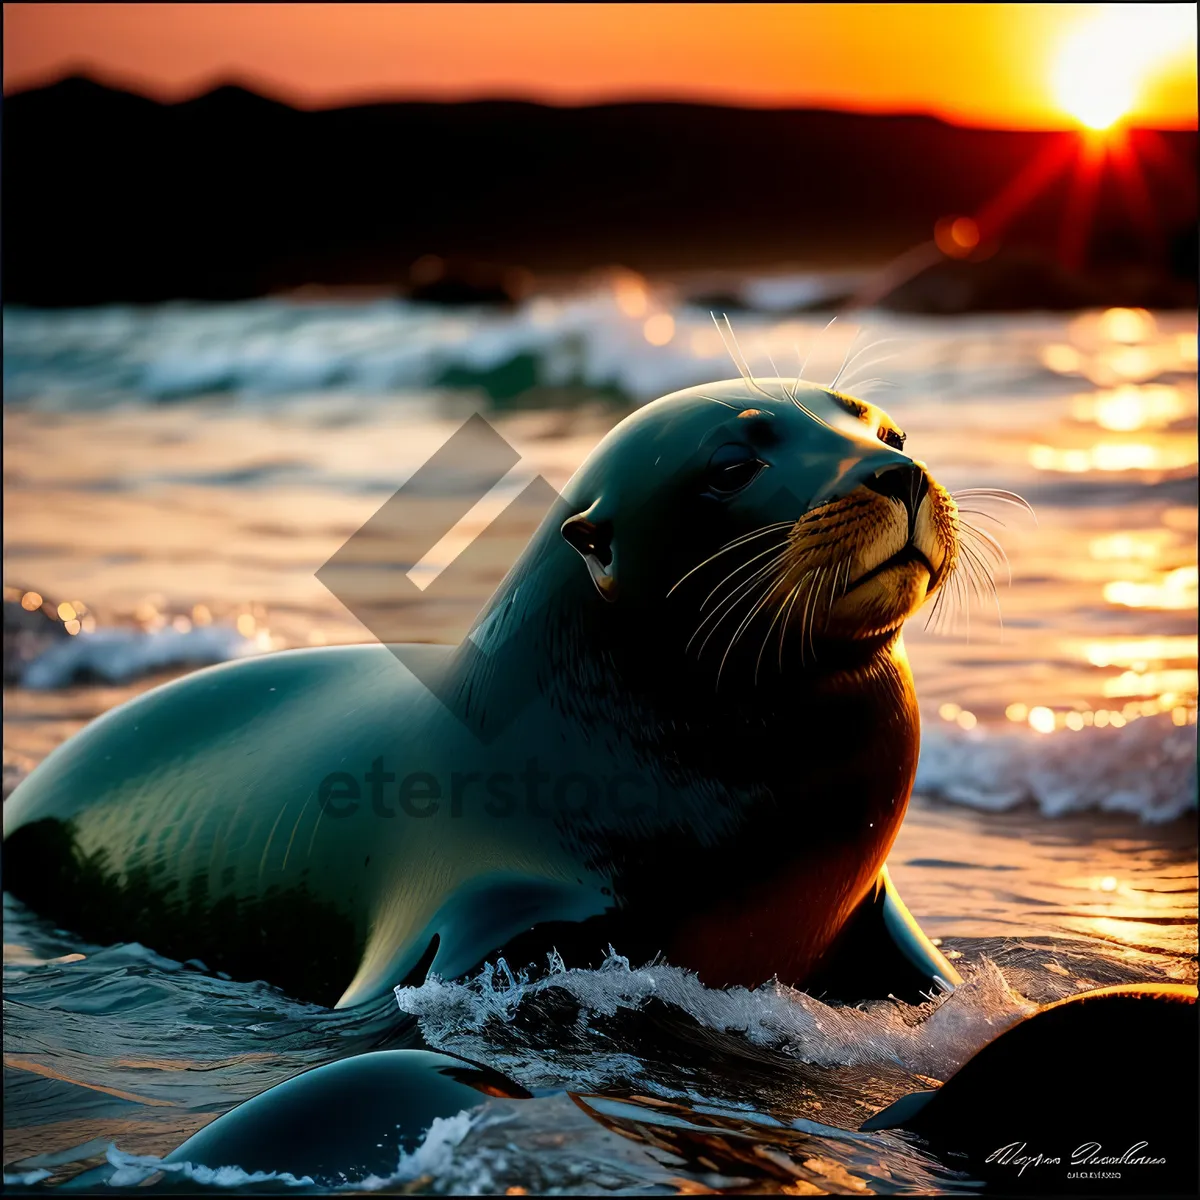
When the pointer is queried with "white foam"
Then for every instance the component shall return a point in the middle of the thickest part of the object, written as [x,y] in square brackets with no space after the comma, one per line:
[434,1156]
[26,1178]
[1147,767]
[933,1038]
[133,1169]
[118,655]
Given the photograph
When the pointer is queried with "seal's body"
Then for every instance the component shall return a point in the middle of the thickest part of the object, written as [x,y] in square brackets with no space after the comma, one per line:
[684,725]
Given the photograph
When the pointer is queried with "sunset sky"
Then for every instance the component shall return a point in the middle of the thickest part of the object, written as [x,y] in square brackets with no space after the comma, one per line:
[1017,66]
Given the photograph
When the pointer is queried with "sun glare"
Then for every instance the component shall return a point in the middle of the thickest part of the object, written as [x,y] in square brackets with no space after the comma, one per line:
[1104,65]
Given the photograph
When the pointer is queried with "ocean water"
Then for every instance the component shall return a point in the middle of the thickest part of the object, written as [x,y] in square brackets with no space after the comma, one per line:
[176,475]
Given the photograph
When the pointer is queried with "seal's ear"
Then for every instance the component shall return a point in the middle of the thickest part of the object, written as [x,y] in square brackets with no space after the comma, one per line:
[593,541]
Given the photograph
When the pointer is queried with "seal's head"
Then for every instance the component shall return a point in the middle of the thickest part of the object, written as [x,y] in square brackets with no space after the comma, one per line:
[763,522]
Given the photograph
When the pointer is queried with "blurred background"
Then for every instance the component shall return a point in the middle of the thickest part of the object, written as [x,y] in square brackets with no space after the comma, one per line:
[261,260]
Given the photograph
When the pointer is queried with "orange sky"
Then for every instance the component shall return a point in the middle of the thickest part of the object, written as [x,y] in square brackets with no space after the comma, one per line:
[991,64]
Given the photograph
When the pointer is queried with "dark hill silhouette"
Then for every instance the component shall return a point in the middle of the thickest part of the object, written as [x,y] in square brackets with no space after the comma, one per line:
[112,197]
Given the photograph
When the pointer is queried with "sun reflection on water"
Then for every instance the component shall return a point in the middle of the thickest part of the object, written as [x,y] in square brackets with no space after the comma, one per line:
[1119,346]
[1166,455]
[1176,589]
[1150,683]
[1138,653]
[1045,720]
[1130,406]
[1140,546]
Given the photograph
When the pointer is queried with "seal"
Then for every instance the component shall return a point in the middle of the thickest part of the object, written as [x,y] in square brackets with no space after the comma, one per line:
[684,725]
[1106,1046]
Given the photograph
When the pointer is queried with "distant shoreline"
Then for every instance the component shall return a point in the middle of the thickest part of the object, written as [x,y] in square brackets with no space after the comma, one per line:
[111,197]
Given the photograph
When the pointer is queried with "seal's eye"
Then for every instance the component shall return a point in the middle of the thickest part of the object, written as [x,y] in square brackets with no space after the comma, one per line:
[732,468]
[892,437]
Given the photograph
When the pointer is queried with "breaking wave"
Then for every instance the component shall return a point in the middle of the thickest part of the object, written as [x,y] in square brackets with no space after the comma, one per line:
[1147,768]
[497,1015]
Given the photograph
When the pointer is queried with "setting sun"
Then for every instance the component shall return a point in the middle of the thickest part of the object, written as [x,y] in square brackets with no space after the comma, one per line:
[1105,65]
[1008,66]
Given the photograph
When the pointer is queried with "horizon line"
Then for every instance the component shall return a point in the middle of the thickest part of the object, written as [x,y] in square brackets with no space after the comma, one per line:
[218,82]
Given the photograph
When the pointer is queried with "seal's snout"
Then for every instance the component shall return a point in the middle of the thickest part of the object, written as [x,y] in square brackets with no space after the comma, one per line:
[906,482]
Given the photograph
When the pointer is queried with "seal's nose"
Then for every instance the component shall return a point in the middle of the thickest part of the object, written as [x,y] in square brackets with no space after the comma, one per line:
[905,482]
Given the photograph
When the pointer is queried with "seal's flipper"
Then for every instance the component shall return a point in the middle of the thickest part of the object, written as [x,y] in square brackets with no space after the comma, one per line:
[882,952]
[479,920]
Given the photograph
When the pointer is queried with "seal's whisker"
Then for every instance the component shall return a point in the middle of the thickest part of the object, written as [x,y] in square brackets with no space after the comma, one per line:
[812,416]
[767,636]
[843,570]
[866,383]
[742,370]
[739,359]
[749,374]
[971,564]
[978,512]
[954,587]
[954,604]
[824,601]
[725,604]
[836,587]
[810,608]
[803,363]
[982,554]
[768,592]
[997,494]
[723,403]
[729,602]
[787,622]
[827,605]
[798,597]
[735,571]
[730,610]
[931,621]
[986,542]
[856,381]
[874,362]
[845,359]
[807,356]
[964,580]
[950,615]
[991,586]
[774,368]
[979,571]
[804,611]
[946,621]
[985,575]
[745,537]
[738,541]
[741,567]
[796,594]
[942,606]
[866,350]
